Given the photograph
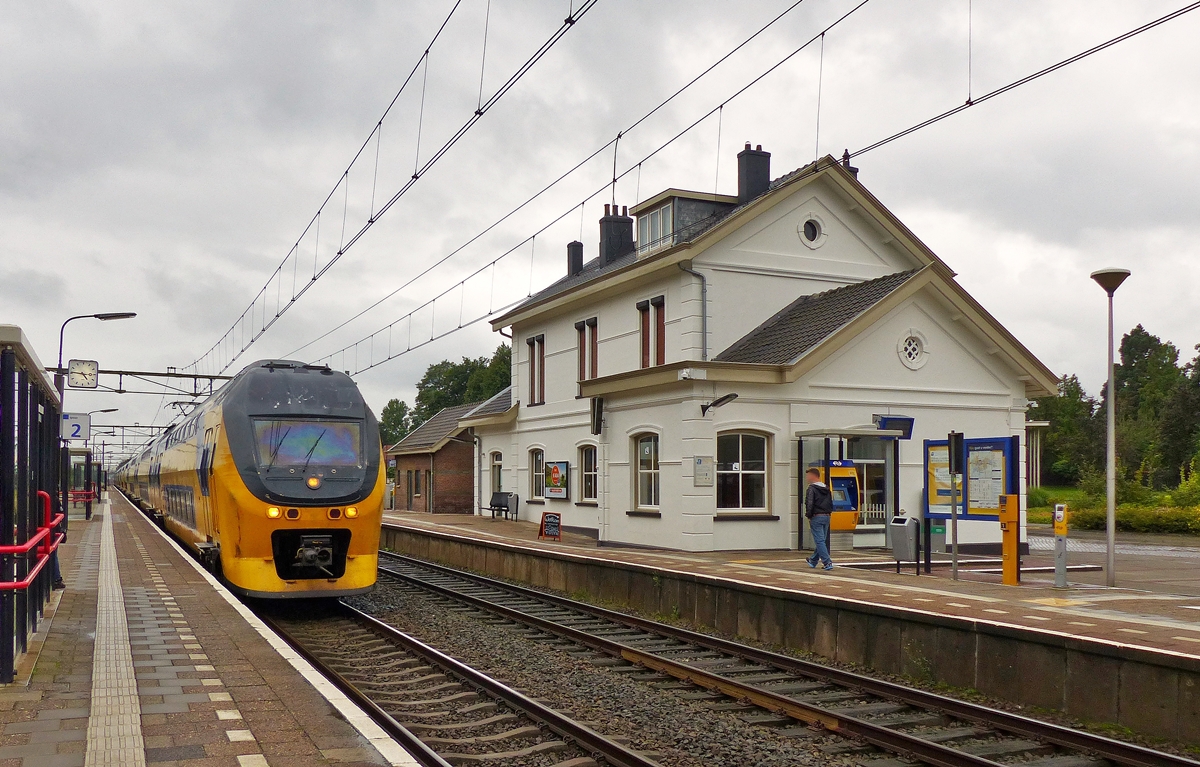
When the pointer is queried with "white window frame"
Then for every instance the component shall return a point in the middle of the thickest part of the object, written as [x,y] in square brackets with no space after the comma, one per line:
[537,474]
[741,472]
[585,473]
[497,471]
[655,228]
[654,475]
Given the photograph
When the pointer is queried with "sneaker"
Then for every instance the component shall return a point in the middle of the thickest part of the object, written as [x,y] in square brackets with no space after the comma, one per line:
[58,584]
[811,563]
[827,567]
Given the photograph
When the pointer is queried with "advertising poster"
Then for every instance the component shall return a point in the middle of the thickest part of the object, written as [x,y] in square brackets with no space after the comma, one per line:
[557,480]
[937,482]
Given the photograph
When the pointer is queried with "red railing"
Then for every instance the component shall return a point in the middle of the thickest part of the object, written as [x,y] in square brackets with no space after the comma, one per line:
[42,540]
[81,496]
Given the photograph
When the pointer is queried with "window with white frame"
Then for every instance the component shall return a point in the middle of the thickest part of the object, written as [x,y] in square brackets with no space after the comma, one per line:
[537,474]
[537,369]
[497,472]
[588,348]
[652,327]
[647,471]
[741,471]
[655,229]
[589,475]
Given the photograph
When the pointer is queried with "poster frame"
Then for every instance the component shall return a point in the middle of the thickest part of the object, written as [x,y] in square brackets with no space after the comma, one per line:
[1010,446]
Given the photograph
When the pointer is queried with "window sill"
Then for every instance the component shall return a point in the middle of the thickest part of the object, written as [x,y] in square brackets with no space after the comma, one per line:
[639,513]
[745,518]
[536,501]
[587,503]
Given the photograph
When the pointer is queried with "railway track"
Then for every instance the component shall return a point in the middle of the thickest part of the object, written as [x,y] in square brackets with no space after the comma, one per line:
[886,724]
[442,711]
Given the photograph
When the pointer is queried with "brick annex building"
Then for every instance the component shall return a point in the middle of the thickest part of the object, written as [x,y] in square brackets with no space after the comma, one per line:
[435,465]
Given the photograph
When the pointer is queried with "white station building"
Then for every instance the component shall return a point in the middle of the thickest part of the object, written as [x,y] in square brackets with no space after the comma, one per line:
[671,391]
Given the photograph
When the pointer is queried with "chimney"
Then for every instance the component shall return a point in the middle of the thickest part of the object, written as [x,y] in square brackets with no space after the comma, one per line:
[754,173]
[846,164]
[574,258]
[616,235]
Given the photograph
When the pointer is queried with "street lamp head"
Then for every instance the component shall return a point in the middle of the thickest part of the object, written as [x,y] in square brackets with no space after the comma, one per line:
[105,410]
[1110,279]
[115,315]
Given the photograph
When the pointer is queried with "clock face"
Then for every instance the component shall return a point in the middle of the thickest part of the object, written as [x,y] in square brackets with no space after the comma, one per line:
[83,374]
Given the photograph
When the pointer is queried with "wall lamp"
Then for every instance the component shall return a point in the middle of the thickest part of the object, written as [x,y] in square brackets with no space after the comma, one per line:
[724,399]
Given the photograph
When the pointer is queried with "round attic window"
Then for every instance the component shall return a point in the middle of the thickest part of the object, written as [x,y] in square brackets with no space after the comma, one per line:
[913,349]
[812,231]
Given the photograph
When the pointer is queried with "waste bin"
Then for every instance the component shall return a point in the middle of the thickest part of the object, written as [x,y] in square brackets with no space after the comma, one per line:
[906,533]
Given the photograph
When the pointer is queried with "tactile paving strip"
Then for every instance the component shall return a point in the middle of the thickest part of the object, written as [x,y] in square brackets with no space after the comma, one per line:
[114,735]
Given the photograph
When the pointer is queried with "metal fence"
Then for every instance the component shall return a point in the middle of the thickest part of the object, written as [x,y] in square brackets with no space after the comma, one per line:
[32,522]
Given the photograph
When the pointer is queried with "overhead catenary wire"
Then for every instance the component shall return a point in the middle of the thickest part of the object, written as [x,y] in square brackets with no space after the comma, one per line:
[563,176]
[1030,78]
[804,172]
[319,271]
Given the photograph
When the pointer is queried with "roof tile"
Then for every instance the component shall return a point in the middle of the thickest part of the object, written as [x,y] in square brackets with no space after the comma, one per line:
[808,321]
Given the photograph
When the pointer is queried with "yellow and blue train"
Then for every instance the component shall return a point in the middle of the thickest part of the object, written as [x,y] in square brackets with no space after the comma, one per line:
[275,481]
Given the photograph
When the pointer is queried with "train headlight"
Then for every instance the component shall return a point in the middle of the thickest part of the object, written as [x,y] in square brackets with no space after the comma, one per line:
[273,512]
[351,512]
[313,482]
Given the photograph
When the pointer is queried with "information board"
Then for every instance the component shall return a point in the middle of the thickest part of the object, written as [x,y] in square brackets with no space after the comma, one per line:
[702,474]
[991,471]
[551,526]
[557,480]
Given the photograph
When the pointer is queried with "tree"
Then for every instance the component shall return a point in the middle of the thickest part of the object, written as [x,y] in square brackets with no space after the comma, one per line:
[1074,441]
[395,422]
[446,384]
[1146,379]
[488,381]
[1178,439]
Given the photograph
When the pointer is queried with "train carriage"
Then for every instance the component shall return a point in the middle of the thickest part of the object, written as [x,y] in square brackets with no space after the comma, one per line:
[276,482]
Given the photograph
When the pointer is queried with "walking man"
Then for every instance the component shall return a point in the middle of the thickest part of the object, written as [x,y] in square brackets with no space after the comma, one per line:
[818,505]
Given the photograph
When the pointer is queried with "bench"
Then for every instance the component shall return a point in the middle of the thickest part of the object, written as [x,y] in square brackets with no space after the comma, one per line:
[505,503]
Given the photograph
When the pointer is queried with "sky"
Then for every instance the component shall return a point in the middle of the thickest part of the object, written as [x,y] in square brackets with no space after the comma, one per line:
[171,158]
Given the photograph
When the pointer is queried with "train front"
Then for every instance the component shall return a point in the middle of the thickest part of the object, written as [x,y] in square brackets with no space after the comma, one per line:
[299,501]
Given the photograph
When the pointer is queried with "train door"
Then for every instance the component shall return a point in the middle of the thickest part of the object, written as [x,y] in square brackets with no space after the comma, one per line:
[204,461]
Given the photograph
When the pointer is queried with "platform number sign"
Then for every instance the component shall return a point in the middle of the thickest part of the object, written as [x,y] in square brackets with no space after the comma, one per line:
[76,426]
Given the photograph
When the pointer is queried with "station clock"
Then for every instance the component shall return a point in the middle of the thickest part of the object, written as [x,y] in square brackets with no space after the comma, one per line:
[83,374]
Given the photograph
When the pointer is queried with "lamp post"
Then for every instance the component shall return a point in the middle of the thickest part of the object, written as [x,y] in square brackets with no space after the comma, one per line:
[59,379]
[1110,280]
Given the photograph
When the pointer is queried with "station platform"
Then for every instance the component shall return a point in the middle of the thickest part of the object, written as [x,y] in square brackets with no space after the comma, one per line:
[143,659]
[1156,606]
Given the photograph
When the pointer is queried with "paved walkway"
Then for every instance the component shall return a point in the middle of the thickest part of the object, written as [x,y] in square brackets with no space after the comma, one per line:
[1155,619]
[145,663]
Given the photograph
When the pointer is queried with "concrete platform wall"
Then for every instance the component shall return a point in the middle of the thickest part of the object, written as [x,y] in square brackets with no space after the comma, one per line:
[1155,694]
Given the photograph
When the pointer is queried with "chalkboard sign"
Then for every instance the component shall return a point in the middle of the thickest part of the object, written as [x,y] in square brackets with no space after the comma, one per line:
[551,526]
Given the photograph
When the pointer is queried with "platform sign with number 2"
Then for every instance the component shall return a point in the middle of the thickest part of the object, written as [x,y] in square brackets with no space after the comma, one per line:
[76,426]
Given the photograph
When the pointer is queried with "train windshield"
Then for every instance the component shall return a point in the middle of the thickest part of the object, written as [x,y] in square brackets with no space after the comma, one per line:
[290,443]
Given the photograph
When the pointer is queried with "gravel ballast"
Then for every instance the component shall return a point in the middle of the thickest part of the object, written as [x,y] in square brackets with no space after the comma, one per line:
[673,730]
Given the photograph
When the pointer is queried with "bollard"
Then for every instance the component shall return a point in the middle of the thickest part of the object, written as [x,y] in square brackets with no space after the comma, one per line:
[1060,546]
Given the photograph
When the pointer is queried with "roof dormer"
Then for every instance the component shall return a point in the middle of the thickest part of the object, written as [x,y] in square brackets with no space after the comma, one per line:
[677,215]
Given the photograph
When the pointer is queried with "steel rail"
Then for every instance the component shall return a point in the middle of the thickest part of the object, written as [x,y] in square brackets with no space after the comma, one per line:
[424,755]
[1009,723]
[572,732]
[891,740]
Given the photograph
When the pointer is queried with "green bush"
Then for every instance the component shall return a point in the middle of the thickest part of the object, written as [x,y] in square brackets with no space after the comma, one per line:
[1141,519]
[1188,492]
[1038,497]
